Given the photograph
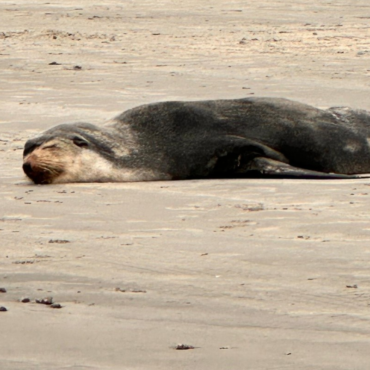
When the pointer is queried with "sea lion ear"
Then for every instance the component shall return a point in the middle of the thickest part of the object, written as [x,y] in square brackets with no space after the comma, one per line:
[79,141]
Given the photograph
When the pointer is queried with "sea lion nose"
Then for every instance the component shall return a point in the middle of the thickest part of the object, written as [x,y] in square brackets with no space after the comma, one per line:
[27,168]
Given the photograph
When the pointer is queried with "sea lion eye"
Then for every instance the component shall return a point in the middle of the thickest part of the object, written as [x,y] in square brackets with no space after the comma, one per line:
[80,142]
[51,146]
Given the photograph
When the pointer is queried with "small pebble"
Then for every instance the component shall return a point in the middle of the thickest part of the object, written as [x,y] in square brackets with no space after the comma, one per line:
[2,290]
[184,347]
[25,300]
[56,305]
[3,309]
[48,301]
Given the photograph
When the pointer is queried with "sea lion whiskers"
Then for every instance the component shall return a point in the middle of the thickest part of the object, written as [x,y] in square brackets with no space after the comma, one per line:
[50,167]
[46,161]
[42,170]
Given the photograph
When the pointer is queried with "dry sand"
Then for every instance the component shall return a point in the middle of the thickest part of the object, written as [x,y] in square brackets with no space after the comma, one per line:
[255,274]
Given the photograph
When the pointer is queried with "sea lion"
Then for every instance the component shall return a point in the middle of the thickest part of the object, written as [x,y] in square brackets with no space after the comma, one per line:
[205,139]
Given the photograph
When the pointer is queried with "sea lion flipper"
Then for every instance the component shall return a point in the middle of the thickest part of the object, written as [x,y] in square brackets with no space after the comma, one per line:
[273,168]
[232,156]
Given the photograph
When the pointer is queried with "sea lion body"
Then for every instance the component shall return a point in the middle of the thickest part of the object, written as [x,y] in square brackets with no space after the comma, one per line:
[205,139]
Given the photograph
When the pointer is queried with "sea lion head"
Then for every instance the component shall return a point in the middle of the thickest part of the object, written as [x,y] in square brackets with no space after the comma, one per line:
[78,152]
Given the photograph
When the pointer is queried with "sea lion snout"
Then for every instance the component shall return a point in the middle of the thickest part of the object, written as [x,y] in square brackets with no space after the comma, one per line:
[37,174]
[27,168]
[41,166]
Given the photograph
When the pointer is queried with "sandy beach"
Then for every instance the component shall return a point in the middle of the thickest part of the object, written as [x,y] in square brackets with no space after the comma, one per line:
[248,274]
